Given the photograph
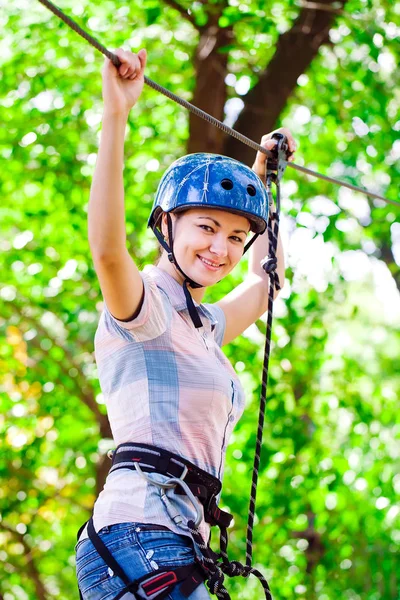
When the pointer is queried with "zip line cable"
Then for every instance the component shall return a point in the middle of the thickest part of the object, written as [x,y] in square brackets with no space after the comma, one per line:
[203,115]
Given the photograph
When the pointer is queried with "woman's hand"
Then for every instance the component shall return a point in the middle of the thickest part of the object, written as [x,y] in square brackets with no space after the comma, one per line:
[267,142]
[122,86]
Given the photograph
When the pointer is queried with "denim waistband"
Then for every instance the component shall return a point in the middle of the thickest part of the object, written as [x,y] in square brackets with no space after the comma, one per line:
[136,526]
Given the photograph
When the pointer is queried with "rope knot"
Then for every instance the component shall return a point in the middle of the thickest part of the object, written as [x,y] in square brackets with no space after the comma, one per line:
[216,581]
[269,264]
[236,569]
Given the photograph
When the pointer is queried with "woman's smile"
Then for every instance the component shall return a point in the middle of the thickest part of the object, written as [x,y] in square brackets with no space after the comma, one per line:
[209,264]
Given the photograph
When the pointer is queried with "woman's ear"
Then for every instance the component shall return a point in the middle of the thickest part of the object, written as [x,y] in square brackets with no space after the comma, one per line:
[164,226]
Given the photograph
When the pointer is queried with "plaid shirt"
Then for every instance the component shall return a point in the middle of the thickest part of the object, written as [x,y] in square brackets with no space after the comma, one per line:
[168,384]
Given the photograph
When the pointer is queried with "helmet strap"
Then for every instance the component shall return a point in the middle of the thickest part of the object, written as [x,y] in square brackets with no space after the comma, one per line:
[250,242]
[194,315]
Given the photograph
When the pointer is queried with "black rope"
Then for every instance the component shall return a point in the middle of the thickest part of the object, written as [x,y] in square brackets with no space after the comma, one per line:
[200,113]
[216,566]
[215,571]
[269,265]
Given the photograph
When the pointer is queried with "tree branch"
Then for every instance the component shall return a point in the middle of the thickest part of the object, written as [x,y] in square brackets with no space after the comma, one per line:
[295,51]
[211,66]
[388,258]
[31,569]
[319,6]
[182,11]
[83,390]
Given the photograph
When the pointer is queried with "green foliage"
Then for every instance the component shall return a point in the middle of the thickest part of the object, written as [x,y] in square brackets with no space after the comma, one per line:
[327,507]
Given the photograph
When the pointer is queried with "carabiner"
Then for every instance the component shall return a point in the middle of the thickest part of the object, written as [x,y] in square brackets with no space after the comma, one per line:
[171,483]
[276,166]
[165,485]
[175,481]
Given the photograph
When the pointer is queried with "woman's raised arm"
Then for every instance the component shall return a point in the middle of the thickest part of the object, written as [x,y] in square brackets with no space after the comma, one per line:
[119,278]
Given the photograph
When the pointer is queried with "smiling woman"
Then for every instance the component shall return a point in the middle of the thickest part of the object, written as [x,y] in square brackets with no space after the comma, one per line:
[172,396]
[204,220]
[206,241]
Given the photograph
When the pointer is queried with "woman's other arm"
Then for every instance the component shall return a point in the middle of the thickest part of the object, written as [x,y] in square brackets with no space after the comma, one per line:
[249,300]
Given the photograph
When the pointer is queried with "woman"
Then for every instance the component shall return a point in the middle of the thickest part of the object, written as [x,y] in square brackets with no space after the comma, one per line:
[166,382]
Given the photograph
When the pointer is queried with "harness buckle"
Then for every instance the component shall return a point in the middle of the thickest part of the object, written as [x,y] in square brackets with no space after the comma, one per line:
[277,165]
[217,516]
[152,587]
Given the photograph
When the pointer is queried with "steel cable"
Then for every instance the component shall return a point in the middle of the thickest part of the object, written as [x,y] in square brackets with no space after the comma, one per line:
[200,113]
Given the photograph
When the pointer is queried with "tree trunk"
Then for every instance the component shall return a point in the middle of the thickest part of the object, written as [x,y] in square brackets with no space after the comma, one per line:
[211,67]
[295,51]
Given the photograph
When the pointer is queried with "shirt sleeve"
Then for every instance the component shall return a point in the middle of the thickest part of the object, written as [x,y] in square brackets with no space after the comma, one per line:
[148,324]
[219,317]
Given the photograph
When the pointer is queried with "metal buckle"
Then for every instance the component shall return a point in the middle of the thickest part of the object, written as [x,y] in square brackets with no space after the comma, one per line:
[158,590]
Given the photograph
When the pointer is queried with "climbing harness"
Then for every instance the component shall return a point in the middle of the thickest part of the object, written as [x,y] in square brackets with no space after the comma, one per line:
[200,113]
[202,490]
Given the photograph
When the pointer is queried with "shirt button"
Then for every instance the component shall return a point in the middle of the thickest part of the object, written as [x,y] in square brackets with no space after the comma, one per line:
[231,418]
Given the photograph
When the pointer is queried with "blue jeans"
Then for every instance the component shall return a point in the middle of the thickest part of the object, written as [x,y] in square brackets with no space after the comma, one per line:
[139,551]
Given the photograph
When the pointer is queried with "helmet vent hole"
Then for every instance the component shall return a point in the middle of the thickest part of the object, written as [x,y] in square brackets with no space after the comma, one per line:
[227,184]
[251,190]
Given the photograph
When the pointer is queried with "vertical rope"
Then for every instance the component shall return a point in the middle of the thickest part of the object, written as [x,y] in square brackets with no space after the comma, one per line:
[269,266]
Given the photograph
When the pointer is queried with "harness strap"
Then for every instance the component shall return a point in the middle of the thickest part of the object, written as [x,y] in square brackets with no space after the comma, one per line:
[106,554]
[157,460]
[217,516]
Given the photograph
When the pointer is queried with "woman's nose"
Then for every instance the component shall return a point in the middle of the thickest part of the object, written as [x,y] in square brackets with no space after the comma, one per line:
[219,246]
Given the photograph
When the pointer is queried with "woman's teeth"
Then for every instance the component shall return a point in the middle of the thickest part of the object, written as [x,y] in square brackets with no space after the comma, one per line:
[210,264]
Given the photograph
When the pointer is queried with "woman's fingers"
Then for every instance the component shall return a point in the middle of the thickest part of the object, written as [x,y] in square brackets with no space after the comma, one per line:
[132,65]
[268,142]
[259,163]
[286,132]
[142,56]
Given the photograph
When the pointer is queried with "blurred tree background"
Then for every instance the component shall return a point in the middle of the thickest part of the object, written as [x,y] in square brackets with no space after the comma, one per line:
[328,501]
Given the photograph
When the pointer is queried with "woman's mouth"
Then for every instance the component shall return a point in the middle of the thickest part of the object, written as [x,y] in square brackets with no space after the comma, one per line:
[210,264]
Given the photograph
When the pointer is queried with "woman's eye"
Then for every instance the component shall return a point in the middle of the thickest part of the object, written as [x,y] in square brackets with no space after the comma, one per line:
[237,239]
[206,228]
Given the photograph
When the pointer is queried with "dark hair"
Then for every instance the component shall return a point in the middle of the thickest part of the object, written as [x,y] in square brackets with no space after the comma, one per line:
[160,249]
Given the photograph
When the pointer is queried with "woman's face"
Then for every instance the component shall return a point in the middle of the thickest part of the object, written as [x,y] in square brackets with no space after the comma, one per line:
[208,243]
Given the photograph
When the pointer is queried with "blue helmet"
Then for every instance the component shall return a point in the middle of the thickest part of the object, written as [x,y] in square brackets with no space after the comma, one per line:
[215,181]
